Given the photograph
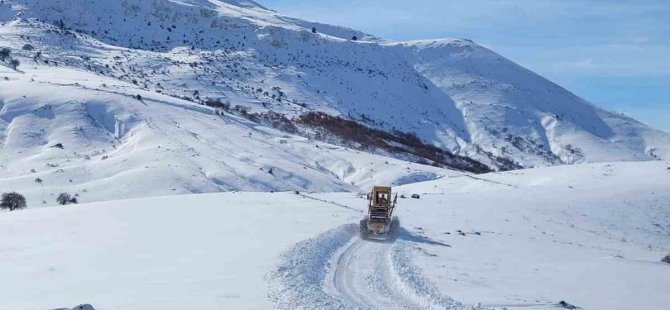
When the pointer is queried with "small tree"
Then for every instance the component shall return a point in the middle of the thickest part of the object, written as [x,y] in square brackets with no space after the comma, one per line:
[13,201]
[64,199]
[4,53]
[60,24]
[14,63]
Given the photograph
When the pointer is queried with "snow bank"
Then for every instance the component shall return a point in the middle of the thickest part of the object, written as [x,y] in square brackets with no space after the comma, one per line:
[297,281]
[410,279]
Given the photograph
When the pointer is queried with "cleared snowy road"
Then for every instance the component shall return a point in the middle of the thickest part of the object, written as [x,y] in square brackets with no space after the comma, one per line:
[363,277]
[339,270]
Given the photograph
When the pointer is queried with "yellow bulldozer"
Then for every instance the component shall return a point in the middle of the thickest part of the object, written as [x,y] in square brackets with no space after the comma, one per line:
[379,219]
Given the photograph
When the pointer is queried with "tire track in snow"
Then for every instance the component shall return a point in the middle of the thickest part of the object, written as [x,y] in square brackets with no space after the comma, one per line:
[363,278]
[338,270]
[296,282]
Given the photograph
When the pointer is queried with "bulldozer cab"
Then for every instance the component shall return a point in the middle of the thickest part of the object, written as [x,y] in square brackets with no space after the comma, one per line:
[381,197]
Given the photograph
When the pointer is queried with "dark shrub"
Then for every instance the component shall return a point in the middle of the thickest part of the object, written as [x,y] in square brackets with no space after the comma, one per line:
[12,201]
[396,142]
[4,53]
[14,63]
[217,103]
[64,199]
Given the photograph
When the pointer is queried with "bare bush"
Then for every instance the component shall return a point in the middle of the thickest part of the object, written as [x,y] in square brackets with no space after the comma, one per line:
[5,52]
[396,142]
[64,199]
[12,201]
[14,63]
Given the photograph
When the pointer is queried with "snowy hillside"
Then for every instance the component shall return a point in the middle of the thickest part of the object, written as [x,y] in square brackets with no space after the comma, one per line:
[72,131]
[514,113]
[589,235]
[453,94]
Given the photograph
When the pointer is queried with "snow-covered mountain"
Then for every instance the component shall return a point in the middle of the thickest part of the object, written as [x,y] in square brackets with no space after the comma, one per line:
[118,94]
[515,113]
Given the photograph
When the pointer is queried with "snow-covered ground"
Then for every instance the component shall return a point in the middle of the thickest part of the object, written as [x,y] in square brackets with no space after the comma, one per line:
[108,103]
[591,235]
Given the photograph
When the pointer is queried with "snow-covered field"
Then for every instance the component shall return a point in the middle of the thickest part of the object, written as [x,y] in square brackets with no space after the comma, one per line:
[591,235]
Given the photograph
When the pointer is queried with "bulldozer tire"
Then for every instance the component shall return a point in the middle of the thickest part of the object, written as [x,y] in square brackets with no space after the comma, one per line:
[363,227]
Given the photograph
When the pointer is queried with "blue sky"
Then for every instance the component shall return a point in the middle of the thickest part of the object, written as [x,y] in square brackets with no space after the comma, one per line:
[615,54]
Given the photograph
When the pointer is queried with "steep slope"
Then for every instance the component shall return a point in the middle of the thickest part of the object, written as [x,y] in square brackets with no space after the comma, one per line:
[69,130]
[515,113]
